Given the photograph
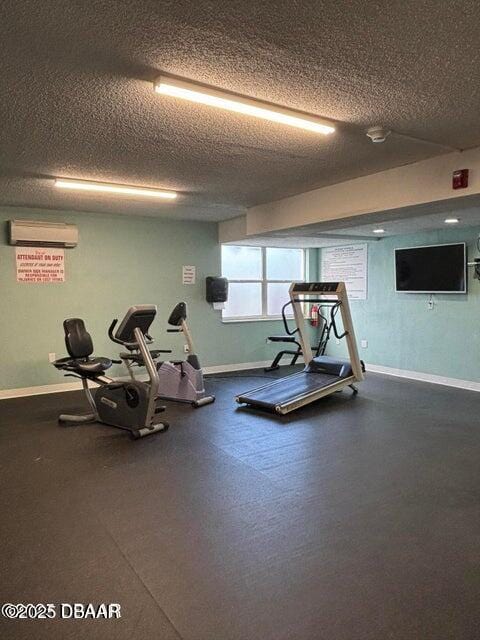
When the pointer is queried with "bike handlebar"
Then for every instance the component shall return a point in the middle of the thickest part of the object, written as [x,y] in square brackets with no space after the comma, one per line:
[110,332]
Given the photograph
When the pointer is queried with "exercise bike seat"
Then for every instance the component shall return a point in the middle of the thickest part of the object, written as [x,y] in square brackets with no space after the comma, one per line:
[156,352]
[282,339]
[94,365]
[137,358]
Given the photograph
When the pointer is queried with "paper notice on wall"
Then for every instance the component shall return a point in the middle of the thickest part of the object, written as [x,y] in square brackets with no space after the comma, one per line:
[40,265]
[188,274]
[347,264]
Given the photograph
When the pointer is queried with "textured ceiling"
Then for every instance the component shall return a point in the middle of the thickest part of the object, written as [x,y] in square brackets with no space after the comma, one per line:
[408,220]
[77,99]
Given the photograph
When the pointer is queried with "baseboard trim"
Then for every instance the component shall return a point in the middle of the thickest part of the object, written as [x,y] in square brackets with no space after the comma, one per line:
[424,377]
[242,366]
[8,394]
[40,390]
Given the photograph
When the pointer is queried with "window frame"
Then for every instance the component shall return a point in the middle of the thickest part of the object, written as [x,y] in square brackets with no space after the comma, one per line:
[264,282]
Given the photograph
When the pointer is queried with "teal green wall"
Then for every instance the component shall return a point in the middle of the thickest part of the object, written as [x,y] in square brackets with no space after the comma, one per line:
[402,332]
[119,261]
[122,260]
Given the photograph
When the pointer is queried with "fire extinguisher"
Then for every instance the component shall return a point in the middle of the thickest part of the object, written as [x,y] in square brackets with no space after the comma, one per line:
[314,315]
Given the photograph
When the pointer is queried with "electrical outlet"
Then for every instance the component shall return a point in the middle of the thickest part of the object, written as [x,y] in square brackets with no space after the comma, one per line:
[430,305]
[51,357]
[185,348]
[364,344]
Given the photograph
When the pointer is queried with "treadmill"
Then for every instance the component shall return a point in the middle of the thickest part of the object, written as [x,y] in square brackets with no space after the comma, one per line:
[322,375]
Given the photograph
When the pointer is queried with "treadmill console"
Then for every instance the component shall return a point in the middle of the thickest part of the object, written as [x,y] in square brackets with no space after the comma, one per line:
[316,287]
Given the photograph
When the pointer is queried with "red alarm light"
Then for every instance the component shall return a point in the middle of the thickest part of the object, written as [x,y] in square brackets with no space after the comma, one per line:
[460,179]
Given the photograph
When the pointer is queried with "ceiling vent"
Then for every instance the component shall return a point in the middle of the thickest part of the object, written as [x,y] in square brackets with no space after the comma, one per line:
[32,233]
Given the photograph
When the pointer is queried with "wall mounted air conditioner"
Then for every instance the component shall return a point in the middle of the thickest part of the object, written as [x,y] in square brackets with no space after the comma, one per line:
[32,233]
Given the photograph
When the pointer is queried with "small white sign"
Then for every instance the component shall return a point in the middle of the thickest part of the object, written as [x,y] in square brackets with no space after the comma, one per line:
[189,274]
[347,264]
[40,264]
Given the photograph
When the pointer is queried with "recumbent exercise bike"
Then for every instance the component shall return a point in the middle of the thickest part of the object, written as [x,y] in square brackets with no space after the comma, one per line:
[179,380]
[131,405]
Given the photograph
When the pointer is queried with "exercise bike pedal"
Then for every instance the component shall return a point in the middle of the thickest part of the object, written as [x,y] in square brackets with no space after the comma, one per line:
[160,409]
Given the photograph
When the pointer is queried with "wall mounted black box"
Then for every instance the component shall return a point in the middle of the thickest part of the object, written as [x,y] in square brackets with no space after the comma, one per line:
[217,289]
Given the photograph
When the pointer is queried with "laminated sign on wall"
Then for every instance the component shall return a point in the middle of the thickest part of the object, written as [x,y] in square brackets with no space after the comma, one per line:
[347,264]
[188,274]
[40,265]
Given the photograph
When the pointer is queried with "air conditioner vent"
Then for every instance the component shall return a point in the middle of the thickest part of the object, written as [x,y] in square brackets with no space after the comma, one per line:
[33,233]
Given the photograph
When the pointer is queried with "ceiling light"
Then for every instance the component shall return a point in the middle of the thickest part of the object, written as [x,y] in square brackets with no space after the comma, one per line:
[452,220]
[379,231]
[239,104]
[143,192]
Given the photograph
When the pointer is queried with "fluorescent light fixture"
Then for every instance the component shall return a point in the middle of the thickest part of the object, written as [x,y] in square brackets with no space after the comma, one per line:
[105,187]
[223,100]
[379,231]
[452,220]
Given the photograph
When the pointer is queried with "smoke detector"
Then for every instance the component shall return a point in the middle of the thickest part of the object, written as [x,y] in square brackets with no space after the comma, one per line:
[378,134]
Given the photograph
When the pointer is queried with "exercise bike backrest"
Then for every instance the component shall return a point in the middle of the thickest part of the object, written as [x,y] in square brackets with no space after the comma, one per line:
[138,317]
[178,315]
[78,341]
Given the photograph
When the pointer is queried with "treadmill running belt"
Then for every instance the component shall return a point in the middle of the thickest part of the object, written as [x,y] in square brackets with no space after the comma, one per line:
[287,389]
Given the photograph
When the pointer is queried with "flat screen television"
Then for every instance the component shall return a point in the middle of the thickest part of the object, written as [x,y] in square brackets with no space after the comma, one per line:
[439,268]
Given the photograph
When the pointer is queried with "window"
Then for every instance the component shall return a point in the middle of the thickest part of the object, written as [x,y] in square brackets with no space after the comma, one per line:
[259,279]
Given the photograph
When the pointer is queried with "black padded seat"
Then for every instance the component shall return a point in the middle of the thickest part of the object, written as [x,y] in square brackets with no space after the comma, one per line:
[156,353]
[88,366]
[94,365]
[138,358]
